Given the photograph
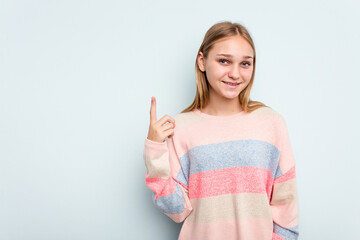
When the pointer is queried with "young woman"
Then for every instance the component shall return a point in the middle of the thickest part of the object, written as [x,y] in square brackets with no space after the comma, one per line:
[224,166]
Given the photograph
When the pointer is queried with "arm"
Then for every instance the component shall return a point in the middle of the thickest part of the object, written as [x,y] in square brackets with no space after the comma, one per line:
[167,179]
[284,199]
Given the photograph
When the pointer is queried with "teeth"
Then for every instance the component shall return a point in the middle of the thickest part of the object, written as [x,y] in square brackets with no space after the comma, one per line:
[232,84]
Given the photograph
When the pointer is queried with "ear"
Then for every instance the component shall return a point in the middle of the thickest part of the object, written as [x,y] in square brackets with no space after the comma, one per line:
[201,61]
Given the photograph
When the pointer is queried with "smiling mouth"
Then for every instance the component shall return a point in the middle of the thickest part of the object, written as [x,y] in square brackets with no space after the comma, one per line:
[231,84]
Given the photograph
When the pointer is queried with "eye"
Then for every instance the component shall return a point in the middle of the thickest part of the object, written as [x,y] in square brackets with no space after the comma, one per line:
[249,64]
[223,60]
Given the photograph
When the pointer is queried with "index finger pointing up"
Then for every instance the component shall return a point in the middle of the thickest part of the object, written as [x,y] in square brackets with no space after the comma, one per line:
[153,117]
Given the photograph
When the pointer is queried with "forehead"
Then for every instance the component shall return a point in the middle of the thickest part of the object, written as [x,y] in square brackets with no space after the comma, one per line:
[237,46]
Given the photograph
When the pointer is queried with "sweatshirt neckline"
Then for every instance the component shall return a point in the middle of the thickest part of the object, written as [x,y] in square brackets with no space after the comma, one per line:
[205,115]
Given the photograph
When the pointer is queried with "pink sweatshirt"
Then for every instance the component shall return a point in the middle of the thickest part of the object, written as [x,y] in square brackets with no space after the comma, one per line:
[226,177]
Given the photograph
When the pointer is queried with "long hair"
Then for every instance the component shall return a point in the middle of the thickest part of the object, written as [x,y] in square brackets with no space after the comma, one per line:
[216,32]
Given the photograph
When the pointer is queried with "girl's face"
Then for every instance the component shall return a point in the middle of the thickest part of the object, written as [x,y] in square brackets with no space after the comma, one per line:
[229,60]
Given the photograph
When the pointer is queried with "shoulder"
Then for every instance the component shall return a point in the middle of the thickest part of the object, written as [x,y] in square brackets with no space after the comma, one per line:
[267,111]
[274,116]
[186,119]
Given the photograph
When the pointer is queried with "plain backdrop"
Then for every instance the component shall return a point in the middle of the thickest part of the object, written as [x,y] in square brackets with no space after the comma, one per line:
[76,80]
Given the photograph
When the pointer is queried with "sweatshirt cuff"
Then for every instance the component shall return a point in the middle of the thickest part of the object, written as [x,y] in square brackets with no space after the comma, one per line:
[154,142]
[153,148]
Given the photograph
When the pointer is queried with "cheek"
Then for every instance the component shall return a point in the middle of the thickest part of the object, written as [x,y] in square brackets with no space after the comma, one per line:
[215,72]
[246,74]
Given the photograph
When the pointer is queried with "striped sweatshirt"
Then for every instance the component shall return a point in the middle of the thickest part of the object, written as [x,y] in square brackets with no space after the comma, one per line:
[226,177]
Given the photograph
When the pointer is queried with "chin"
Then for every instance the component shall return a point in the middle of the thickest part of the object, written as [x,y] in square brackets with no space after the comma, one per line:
[231,97]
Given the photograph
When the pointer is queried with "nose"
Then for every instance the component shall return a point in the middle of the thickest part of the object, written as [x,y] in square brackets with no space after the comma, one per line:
[234,72]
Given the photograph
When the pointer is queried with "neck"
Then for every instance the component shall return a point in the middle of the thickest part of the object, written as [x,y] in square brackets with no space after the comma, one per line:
[220,106]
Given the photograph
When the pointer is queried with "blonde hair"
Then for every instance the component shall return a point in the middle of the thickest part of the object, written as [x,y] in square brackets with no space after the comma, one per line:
[216,32]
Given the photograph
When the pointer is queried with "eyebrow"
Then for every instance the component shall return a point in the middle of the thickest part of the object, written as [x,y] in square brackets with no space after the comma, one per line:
[230,56]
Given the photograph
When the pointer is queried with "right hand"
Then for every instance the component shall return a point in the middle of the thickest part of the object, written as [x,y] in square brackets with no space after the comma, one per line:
[158,130]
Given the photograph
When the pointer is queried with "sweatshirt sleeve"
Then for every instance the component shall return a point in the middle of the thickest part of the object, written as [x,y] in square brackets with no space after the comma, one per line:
[167,179]
[284,202]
